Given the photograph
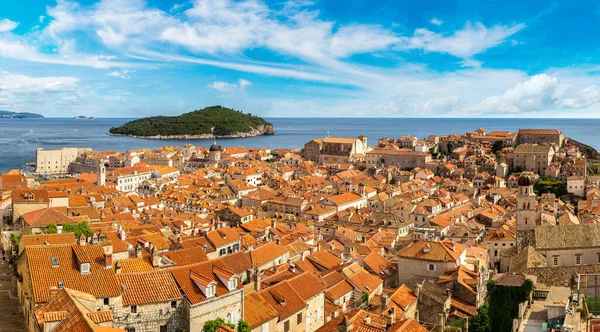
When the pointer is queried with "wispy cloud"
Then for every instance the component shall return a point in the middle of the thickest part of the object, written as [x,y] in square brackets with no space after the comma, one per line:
[239,86]
[7,25]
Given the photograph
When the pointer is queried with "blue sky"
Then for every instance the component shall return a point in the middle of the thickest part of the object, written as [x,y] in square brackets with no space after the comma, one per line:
[133,58]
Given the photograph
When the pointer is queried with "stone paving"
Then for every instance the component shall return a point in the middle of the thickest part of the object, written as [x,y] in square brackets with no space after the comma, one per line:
[10,317]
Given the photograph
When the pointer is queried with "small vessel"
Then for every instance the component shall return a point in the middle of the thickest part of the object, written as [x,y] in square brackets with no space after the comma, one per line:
[31,164]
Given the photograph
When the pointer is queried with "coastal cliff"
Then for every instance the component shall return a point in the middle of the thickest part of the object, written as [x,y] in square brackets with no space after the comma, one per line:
[227,123]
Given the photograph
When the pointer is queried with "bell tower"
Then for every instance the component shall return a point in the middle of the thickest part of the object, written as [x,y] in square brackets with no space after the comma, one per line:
[101,174]
[526,212]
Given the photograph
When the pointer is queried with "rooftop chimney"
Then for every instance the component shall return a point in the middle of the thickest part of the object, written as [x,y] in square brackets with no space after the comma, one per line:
[118,267]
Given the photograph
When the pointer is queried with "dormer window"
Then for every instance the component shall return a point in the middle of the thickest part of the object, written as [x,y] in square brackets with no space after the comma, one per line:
[210,290]
[54,261]
[85,268]
[232,285]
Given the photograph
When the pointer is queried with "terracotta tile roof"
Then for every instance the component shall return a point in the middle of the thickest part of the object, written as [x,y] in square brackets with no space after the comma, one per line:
[284,299]
[100,282]
[30,196]
[238,262]
[222,236]
[186,256]
[266,253]
[433,250]
[345,198]
[407,325]
[73,316]
[365,282]
[403,297]
[323,259]
[339,289]
[39,239]
[257,311]
[204,270]
[155,286]
[44,217]
[132,265]
[307,285]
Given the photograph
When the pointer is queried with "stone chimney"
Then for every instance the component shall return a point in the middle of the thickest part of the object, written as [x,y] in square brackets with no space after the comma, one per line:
[118,267]
[345,325]
[257,280]
[385,301]
[138,251]
[108,252]
[82,240]
[155,257]
[367,319]
[391,317]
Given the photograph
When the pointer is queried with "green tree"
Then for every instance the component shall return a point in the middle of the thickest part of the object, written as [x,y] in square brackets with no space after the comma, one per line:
[498,145]
[51,228]
[504,304]
[80,228]
[481,321]
[15,240]
[243,326]
[364,298]
[213,325]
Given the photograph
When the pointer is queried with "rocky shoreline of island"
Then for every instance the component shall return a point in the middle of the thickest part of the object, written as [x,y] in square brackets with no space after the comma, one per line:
[259,131]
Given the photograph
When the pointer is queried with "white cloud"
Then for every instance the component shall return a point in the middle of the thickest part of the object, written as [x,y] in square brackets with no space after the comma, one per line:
[221,86]
[471,40]
[7,25]
[436,21]
[538,93]
[125,73]
[42,18]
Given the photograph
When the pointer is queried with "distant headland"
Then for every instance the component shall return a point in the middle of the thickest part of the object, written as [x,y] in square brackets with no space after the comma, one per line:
[197,125]
[19,115]
[81,117]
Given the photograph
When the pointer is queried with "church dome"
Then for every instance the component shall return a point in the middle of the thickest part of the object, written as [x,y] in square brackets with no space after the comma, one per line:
[525,180]
[214,147]
[155,175]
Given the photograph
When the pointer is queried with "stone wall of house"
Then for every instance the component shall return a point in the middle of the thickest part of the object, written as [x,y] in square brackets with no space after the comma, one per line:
[412,271]
[272,325]
[316,312]
[218,307]
[560,276]
[568,257]
[149,317]
[293,321]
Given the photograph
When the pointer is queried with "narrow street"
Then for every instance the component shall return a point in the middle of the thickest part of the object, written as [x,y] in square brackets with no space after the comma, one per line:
[11,319]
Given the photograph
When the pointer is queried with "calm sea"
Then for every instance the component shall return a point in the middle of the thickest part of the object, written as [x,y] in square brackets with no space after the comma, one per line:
[20,138]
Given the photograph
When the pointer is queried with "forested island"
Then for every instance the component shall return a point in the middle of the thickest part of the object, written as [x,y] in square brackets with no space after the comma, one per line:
[196,125]
[19,115]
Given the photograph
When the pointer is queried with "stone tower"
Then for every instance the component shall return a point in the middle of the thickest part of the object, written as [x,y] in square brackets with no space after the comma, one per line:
[101,174]
[526,212]
[214,152]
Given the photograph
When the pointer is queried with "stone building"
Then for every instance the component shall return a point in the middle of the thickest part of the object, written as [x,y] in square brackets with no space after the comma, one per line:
[150,302]
[526,212]
[540,136]
[533,158]
[210,290]
[57,161]
[312,150]
[342,150]
[400,158]
[426,260]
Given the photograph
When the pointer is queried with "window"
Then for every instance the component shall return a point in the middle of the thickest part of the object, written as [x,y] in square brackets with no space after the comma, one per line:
[54,261]
[308,319]
[299,318]
[578,260]
[286,326]
[555,260]
[264,327]
[85,268]
[133,309]
[234,317]
[430,267]
[61,284]
[319,313]
[130,329]
[210,290]
[106,301]
[163,328]
[173,304]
